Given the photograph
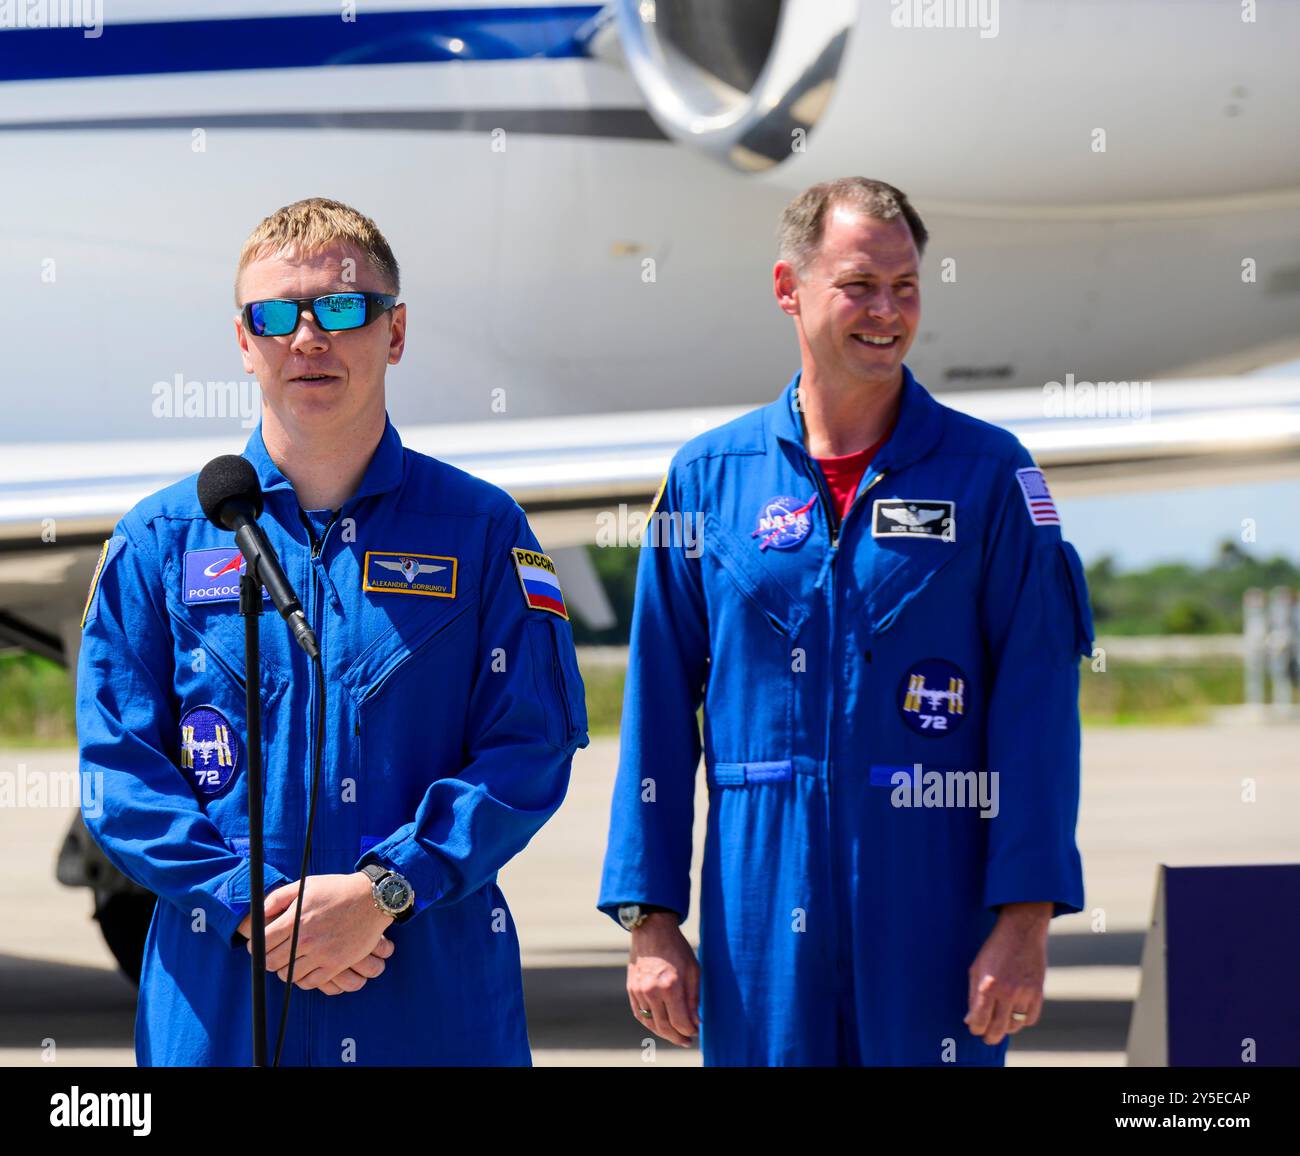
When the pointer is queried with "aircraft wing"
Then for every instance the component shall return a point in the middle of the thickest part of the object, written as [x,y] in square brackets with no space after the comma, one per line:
[58,501]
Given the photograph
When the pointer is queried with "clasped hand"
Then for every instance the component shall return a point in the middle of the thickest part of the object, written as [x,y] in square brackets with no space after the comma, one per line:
[341,942]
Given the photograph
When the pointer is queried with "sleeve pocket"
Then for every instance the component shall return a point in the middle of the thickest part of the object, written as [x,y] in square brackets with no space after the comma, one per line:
[559,685]
[1077,589]
[571,678]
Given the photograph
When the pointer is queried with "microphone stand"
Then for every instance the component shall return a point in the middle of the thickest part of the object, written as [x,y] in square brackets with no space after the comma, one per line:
[250,606]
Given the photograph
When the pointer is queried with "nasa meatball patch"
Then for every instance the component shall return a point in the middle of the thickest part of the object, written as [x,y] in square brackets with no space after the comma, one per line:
[914,518]
[209,749]
[783,522]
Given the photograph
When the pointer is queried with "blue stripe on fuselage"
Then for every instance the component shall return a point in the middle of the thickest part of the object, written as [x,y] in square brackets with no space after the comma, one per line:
[313,41]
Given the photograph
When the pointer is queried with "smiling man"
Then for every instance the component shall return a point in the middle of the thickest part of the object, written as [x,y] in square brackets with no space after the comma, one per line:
[883,626]
[451,695]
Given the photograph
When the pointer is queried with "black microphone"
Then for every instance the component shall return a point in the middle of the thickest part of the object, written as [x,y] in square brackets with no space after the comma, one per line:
[231,497]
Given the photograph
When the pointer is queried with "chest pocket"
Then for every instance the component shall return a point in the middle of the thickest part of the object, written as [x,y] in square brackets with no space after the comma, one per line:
[754,625]
[208,652]
[761,589]
[902,570]
[210,636]
[410,694]
[374,667]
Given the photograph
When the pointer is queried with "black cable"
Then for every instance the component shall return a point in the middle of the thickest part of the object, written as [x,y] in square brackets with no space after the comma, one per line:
[318,674]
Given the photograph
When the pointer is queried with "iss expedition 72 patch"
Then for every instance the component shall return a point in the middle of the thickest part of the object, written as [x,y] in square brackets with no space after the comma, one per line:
[210,748]
[934,697]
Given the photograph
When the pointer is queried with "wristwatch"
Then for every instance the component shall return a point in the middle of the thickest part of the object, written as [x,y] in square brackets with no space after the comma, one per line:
[393,895]
[632,915]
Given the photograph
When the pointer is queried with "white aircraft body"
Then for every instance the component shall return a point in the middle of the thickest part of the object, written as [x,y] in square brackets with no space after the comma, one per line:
[583,199]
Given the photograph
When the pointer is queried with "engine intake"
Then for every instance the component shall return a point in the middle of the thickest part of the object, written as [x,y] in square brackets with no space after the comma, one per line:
[745,80]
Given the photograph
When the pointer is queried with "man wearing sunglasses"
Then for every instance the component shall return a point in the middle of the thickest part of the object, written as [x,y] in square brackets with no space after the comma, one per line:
[452,698]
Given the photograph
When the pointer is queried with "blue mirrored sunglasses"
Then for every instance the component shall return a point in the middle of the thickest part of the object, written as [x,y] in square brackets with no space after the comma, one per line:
[333,311]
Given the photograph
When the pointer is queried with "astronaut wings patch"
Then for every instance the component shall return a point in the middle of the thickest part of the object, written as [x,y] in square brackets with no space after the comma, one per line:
[392,572]
[915,518]
[539,581]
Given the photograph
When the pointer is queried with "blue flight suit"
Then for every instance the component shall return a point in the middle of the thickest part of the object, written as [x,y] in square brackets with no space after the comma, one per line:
[454,706]
[941,625]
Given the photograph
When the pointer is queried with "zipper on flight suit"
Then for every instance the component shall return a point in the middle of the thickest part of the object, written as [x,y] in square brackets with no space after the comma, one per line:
[835,526]
[314,690]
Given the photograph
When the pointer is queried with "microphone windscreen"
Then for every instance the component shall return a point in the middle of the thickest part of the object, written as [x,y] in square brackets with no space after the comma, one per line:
[227,477]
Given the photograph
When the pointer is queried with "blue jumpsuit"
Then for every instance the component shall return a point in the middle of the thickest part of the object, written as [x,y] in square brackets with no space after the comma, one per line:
[454,706]
[844,672]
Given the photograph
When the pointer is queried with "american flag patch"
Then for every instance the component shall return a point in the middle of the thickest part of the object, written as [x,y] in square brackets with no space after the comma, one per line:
[539,582]
[1038,498]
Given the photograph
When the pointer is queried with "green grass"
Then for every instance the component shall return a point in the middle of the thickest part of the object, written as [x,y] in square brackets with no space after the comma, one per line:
[36,697]
[1127,694]
[36,702]
[1158,694]
[604,698]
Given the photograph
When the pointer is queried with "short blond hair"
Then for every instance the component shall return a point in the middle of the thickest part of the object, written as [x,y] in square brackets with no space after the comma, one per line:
[804,219]
[309,225]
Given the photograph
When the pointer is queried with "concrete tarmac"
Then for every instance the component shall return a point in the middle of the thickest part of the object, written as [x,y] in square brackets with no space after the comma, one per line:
[1150,796]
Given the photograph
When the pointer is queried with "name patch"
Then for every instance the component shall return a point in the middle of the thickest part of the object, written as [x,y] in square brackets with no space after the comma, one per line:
[914,518]
[391,572]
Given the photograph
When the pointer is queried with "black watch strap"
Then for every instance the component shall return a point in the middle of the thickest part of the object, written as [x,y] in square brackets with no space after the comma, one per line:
[377,872]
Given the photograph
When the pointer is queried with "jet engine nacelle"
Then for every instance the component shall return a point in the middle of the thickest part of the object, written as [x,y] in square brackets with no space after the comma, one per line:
[981,105]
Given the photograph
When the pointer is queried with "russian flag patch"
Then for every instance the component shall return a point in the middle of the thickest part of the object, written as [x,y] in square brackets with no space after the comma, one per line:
[1038,498]
[539,582]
